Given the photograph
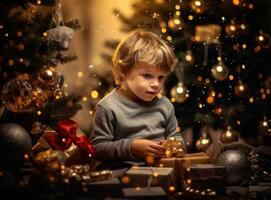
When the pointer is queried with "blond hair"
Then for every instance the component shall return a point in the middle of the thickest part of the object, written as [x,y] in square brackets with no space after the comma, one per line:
[142,46]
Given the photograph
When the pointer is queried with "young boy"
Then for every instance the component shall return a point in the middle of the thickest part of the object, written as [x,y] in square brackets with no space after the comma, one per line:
[131,122]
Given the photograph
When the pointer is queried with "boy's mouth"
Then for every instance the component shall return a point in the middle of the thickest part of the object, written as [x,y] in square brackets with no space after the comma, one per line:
[152,93]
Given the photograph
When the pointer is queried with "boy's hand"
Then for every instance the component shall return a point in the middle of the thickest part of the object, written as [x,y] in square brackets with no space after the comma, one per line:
[143,148]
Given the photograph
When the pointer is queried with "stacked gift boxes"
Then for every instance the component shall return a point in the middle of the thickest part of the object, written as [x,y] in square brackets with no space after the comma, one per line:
[179,164]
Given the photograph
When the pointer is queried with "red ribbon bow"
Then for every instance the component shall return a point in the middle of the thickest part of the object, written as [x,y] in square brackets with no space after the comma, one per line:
[66,135]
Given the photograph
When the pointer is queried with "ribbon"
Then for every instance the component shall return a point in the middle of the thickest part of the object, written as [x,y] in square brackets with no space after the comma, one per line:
[66,135]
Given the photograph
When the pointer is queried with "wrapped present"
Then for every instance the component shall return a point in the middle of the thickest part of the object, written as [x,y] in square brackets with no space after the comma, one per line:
[179,164]
[145,192]
[68,143]
[206,177]
[150,177]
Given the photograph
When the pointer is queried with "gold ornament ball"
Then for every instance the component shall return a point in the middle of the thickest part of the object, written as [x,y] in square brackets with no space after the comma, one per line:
[17,95]
[179,92]
[241,90]
[229,136]
[220,71]
[203,143]
[47,77]
[265,127]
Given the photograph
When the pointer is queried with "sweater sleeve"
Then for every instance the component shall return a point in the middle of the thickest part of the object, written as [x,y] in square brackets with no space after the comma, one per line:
[102,132]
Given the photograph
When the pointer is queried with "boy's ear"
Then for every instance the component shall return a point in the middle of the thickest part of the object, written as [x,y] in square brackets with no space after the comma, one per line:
[122,73]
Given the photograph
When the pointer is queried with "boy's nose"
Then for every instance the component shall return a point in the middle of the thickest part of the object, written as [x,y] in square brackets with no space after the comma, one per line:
[155,84]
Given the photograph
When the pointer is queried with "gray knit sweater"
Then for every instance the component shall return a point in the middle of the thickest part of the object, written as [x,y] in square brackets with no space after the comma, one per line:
[117,121]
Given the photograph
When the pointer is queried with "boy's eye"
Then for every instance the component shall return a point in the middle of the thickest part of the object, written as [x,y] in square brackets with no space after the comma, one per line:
[146,75]
[161,78]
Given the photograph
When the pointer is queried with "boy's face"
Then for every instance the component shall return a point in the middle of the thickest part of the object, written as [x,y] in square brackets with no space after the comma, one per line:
[143,82]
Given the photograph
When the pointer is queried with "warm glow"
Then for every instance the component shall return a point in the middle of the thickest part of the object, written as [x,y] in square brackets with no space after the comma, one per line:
[219,68]
[241,87]
[231,77]
[163,30]
[94,94]
[80,74]
[198,3]
[236,2]
[190,17]
[261,38]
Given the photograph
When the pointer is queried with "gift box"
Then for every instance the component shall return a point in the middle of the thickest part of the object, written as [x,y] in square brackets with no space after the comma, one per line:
[67,143]
[145,192]
[205,177]
[179,164]
[150,177]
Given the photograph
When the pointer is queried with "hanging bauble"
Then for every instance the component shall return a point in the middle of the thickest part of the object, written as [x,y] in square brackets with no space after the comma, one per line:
[60,37]
[39,98]
[189,57]
[237,166]
[15,145]
[229,136]
[241,90]
[179,92]
[47,77]
[265,126]
[204,141]
[198,6]
[17,95]
[263,40]
[209,34]
[220,71]
[175,23]
[58,93]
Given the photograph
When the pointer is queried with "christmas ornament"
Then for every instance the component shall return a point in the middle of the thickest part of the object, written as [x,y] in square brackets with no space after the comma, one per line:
[39,98]
[189,57]
[241,90]
[17,95]
[203,143]
[198,6]
[58,93]
[15,145]
[265,126]
[174,147]
[237,166]
[229,136]
[180,93]
[220,71]
[47,77]
[60,37]
[263,40]
[207,33]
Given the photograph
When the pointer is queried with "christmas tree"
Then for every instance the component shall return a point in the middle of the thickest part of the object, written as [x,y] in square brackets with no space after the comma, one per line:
[222,77]
[34,41]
